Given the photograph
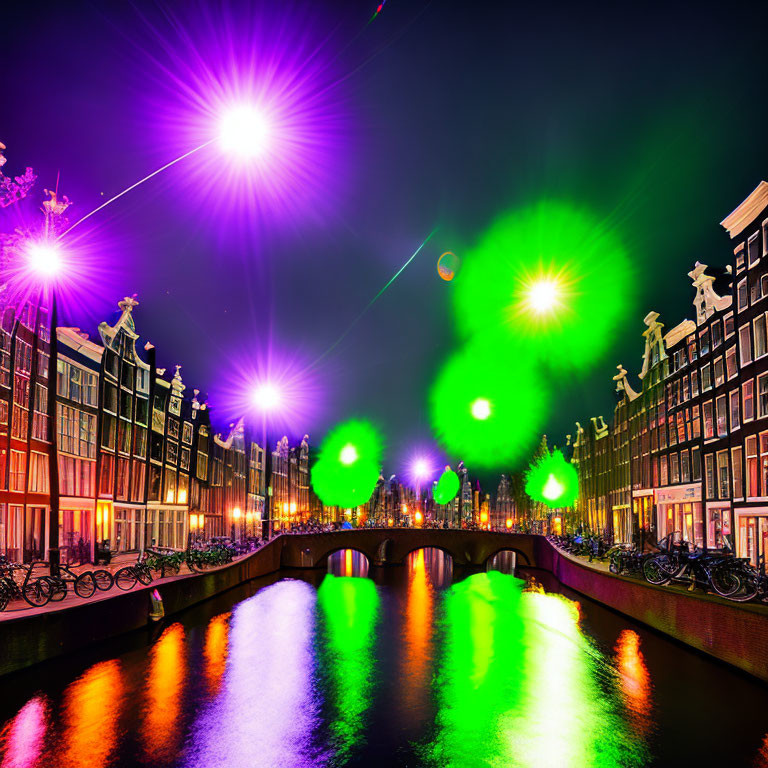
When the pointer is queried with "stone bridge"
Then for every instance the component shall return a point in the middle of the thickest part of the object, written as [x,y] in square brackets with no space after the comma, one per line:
[391,546]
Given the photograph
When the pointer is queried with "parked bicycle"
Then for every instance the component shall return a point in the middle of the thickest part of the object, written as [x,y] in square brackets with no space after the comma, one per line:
[35,591]
[84,583]
[127,577]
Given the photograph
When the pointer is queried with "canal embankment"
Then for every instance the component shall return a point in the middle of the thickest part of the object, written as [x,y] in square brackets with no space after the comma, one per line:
[736,633]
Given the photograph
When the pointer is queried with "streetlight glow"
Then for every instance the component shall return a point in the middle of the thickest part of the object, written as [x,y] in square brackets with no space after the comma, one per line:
[266,397]
[44,259]
[481,409]
[244,131]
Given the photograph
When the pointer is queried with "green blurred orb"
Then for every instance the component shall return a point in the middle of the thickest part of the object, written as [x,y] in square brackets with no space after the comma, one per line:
[447,487]
[487,405]
[348,464]
[553,481]
[553,278]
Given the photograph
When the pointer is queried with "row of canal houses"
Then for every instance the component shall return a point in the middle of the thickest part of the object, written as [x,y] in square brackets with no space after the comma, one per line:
[687,450]
[139,462]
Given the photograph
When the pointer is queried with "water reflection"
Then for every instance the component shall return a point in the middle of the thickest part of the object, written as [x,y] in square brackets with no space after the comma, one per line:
[23,738]
[503,561]
[161,726]
[215,651]
[423,566]
[266,712]
[349,608]
[519,681]
[91,715]
[635,680]
[348,562]
[487,672]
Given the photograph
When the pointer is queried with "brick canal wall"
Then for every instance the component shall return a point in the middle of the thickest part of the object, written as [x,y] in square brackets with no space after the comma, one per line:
[37,635]
[736,633]
[731,632]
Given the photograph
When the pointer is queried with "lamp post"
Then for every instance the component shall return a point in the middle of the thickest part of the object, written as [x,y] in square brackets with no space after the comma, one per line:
[266,397]
[237,532]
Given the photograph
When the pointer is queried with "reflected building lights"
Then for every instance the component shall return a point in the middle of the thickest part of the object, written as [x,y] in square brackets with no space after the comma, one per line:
[635,680]
[215,651]
[417,657]
[91,713]
[23,738]
[161,727]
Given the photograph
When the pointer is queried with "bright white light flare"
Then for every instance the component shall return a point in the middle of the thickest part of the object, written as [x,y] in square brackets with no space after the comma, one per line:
[44,260]
[481,409]
[267,397]
[244,131]
[543,296]
[348,454]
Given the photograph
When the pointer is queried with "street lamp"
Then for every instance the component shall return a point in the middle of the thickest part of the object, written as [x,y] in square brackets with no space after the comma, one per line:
[420,471]
[236,515]
[44,262]
[267,398]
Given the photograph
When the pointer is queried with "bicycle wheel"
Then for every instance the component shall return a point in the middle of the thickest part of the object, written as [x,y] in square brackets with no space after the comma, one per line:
[125,578]
[58,588]
[5,598]
[85,585]
[725,581]
[37,592]
[613,566]
[654,572]
[104,580]
[144,575]
[750,585]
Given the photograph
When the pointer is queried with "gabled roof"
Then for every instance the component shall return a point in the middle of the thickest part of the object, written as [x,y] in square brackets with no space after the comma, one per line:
[739,219]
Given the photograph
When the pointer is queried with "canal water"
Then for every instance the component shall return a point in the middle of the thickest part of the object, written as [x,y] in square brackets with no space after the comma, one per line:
[414,666]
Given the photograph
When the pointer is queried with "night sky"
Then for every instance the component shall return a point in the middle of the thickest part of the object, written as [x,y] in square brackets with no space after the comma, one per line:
[442,114]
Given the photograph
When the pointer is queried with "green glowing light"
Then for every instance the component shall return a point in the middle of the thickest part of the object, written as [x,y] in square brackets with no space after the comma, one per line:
[487,406]
[348,464]
[552,277]
[349,608]
[552,480]
[519,680]
[447,487]
[481,409]
[348,454]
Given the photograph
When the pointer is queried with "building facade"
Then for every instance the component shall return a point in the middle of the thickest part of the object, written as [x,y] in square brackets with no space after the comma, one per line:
[687,450]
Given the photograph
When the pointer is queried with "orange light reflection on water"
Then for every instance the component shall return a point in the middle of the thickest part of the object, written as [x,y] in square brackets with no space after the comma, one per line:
[161,725]
[635,679]
[91,714]
[418,635]
[215,651]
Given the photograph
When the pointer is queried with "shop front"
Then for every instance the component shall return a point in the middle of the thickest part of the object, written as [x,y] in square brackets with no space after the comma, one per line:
[622,524]
[718,523]
[76,529]
[128,519]
[752,534]
[679,509]
[643,511]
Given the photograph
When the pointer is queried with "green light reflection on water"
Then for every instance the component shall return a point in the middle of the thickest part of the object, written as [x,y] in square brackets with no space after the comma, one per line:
[520,685]
[349,608]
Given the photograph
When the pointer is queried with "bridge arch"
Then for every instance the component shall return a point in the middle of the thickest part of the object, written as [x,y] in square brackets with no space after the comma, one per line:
[351,562]
[415,549]
[520,557]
